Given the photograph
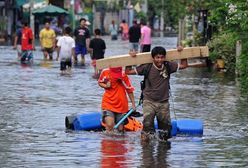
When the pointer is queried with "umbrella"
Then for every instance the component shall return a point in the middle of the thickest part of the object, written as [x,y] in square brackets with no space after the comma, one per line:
[49,10]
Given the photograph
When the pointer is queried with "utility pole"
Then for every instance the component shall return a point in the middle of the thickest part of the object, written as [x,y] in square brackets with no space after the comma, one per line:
[73,13]
[31,3]
[238,52]
[145,6]
[162,17]
[130,13]
[181,35]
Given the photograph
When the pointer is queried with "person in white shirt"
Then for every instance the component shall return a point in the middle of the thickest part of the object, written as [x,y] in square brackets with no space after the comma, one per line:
[65,50]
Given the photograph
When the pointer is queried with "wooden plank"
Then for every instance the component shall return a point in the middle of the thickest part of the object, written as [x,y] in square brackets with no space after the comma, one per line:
[143,58]
[2,40]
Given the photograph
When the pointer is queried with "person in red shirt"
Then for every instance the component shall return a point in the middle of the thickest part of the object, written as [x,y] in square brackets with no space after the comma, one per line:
[114,102]
[27,43]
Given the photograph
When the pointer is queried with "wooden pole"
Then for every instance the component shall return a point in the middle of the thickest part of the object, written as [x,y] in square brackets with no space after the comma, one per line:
[181,34]
[143,58]
[238,52]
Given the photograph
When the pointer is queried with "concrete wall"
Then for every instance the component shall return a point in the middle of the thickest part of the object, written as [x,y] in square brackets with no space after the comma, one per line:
[109,16]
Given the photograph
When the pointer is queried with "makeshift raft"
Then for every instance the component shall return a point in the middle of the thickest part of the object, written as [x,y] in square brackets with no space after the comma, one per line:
[93,121]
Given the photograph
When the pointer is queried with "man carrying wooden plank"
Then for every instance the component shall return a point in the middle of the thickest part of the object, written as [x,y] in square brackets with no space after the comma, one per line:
[156,69]
[155,92]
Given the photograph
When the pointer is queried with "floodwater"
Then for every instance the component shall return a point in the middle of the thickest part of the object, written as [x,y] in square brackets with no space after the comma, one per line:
[35,100]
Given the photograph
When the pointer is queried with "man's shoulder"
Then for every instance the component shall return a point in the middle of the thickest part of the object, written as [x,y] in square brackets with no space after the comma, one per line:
[172,65]
[144,65]
[171,62]
[42,30]
[105,72]
[143,29]
[52,31]
[147,28]
[83,28]
[144,68]
[97,40]
[27,30]
[93,40]
[125,76]
[132,27]
[101,40]
[69,38]
[77,29]
[137,28]
[60,39]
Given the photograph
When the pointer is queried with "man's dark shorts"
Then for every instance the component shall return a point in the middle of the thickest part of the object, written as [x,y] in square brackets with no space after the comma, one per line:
[64,63]
[117,116]
[26,55]
[146,48]
[80,49]
[49,51]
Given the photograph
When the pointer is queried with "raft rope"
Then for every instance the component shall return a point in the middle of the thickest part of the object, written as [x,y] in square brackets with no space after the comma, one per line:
[173,107]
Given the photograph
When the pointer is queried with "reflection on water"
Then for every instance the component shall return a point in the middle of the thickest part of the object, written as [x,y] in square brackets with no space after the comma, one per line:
[34,101]
[113,153]
[154,154]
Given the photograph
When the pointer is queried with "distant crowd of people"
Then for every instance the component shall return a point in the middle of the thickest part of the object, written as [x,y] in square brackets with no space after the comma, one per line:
[68,49]
[139,35]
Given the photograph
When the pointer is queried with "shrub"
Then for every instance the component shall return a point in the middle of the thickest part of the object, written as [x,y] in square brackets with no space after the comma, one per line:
[243,68]
[223,47]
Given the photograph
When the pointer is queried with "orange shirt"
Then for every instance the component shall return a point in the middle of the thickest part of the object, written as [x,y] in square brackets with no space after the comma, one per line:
[124,27]
[115,98]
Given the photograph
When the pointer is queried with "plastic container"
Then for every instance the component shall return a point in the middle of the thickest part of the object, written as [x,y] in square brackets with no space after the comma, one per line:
[173,129]
[92,121]
[88,121]
[190,126]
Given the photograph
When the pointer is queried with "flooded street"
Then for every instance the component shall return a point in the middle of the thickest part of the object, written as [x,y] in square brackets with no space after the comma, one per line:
[35,100]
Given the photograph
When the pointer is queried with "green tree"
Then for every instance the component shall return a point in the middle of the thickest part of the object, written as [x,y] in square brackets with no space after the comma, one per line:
[172,9]
[231,17]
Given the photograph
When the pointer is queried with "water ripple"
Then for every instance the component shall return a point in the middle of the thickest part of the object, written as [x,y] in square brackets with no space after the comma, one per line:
[34,101]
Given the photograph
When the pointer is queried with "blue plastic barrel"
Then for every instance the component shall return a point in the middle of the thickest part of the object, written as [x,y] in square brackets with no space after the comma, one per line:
[173,129]
[190,126]
[92,121]
[88,121]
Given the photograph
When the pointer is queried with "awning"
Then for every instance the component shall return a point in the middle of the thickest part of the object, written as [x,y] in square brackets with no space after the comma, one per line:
[50,10]
[36,5]
[20,3]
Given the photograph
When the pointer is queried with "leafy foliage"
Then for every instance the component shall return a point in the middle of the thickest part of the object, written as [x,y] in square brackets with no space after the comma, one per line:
[172,10]
[229,19]
[142,16]
[243,67]
[223,47]
[232,16]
